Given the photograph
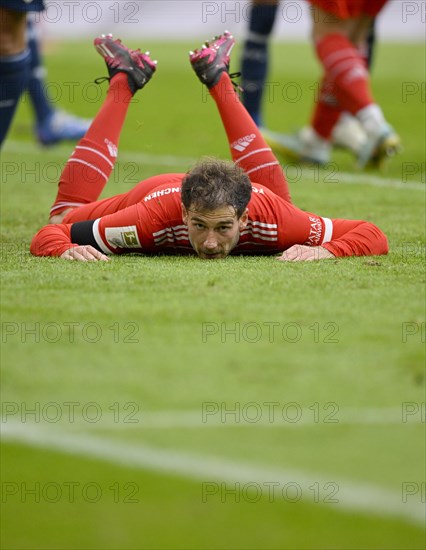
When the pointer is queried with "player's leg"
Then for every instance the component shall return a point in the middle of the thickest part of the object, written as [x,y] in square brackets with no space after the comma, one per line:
[346,68]
[331,126]
[313,143]
[328,112]
[14,65]
[340,40]
[52,125]
[93,159]
[255,56]
[247,145]
[90,165]
[348,132]
[114,204]
[341,49]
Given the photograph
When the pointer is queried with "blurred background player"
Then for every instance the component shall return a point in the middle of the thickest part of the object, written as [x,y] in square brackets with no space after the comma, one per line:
[347,132]
[20,70]
[15,57]
[342,131]
[255,56]
[340,34]
[51,125]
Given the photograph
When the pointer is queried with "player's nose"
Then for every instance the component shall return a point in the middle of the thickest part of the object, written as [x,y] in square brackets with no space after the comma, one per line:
[211,241]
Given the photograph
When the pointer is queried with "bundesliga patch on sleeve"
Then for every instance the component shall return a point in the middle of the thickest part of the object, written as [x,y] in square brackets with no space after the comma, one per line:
[123,237]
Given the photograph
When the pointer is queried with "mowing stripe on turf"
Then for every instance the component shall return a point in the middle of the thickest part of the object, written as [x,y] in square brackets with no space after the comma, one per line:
[251,415]
[351,496]
[183,163]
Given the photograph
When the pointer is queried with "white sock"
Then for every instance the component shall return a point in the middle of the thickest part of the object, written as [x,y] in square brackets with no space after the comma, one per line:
[371,119]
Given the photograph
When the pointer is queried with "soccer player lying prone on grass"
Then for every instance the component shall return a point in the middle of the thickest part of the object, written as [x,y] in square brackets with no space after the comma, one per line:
[217,208]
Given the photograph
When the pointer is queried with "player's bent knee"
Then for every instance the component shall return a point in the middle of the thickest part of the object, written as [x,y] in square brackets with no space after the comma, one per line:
[58,218]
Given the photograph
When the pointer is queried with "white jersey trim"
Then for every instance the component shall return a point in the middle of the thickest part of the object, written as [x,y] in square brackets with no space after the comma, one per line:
[98,237]
[262,224]
[169,229]
[170,239]
[254,229]
[261,231]
[171,235]
[328,230]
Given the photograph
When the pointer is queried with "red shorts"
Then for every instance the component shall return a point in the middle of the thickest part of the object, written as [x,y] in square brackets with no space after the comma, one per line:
[346,9]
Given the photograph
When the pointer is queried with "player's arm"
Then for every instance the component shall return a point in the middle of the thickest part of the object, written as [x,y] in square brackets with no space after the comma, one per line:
[56,240]
[350,238]
[357,238]
[95,239]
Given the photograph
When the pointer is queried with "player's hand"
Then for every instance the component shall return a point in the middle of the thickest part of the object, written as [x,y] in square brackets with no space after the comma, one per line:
[302,253]
[85,253]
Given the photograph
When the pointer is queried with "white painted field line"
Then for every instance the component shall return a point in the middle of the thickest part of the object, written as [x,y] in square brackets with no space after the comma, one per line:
[375,181]
[186,162]
[359,497]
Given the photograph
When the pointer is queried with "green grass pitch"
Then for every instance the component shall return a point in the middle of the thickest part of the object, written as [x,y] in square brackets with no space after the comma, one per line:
[235,404]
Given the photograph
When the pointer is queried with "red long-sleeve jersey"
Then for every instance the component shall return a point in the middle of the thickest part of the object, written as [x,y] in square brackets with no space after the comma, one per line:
[148,220]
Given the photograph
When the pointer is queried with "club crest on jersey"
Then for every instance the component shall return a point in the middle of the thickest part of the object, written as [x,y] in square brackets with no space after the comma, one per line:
[123,237]
[242,143]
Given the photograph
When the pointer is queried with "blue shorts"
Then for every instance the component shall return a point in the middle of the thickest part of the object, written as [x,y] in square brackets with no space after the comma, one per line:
[22,5]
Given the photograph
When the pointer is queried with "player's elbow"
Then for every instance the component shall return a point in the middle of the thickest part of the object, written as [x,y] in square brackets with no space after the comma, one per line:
[35,247]
[385,245]
[381,245]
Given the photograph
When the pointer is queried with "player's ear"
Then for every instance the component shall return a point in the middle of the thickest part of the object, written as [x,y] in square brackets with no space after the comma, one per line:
[184,214]
[243,219]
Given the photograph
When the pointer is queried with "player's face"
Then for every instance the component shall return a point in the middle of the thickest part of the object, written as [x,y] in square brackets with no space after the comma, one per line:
[215,233]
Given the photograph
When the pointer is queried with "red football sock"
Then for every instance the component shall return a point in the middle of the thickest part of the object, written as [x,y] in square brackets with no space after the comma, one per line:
[248,148]
[326,112]
[345,67]
[93,159]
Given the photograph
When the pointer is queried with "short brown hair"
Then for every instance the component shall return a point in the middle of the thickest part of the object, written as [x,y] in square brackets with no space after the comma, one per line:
[213,183]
